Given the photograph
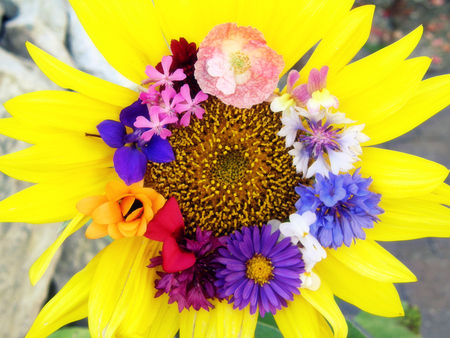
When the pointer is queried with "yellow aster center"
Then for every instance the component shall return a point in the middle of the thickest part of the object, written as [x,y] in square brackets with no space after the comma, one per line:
[260,269]
[231,169]
[240,62]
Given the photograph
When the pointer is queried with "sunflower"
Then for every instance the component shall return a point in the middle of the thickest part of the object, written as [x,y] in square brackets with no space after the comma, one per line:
[204,131]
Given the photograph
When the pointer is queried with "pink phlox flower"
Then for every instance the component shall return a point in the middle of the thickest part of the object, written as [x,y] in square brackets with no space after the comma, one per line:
[155,125]
[165,78]
[314,94]
[236,65]
[169,101]
[151,97]
[190,106]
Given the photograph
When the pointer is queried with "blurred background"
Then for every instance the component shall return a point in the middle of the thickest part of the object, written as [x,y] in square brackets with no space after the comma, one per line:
[52,26]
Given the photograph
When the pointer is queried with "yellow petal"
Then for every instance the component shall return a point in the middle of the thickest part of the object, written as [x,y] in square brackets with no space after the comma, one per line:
[54,200]
[129,41]
[431,97]
[362,74]
[61,110]
[410,218]
[29,133]
[166,322]
[230,323]
[387,96]
[341,43]
[369,259]
[69,305]
[196,324]
[301,319]
[57,158]
[284,32]
[323,301]
[375,297]
[398,175]
[71,78]
[41,264]
[439,195]
[137,307]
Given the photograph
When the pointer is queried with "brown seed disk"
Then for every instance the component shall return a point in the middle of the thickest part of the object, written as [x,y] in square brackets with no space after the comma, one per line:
[231,169]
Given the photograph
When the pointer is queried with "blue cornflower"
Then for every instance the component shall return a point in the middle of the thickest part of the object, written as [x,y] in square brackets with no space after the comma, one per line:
[132,154]
[343,206]
[257,270]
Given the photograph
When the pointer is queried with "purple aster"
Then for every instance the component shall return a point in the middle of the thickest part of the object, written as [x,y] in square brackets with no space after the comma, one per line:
[257,270]
[132,154]
[343,205]
[195,285]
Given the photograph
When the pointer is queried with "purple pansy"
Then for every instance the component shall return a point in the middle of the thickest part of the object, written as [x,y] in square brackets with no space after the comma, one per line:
[343,206]
[258,271]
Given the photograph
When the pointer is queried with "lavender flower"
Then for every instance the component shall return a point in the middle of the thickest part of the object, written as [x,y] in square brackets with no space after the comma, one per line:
[257,270]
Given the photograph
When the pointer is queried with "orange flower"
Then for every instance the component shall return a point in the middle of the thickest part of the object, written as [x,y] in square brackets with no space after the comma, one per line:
[124,211]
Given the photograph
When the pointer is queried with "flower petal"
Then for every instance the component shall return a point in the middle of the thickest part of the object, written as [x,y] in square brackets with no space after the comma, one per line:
[71,78]
[384,98]
[309,324]
[430,98]
[362,74]
[55,200]
[57,158]
[112,133]
[130,164]
[369,259]
[323,301]
[375,297]
[69,304]
[410,218]
[341,43]
[41,264]
[61,110]
[129,41]
[159,150]
[398,175]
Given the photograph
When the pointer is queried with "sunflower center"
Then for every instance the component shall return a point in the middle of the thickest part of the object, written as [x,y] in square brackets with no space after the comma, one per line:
[260,269]
[231,169]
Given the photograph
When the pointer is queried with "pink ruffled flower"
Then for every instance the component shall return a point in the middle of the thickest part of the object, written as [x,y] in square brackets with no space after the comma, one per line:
[190,106]
[165,78]
[236,65]
[313,94]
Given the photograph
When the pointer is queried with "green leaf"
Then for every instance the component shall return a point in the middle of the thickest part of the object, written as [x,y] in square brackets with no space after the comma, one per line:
[381,327]
[354,331]
[267,327]
[72,332]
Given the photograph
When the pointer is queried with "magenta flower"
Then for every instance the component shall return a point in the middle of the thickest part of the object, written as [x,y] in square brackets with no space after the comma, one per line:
[151,97]
[165,78]
[190,106]
[236,65]
[169,101]
[155,125]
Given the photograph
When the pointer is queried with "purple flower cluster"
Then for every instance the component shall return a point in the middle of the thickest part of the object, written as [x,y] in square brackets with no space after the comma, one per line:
[158,107]
[343,205]
[257,270]
[195,285]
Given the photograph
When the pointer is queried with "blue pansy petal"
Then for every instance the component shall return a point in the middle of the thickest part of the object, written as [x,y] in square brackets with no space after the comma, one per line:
[130,164]
[129,114]
[112,133]
[158,150]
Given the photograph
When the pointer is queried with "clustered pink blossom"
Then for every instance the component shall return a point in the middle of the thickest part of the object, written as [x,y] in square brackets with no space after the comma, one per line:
[165,103]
